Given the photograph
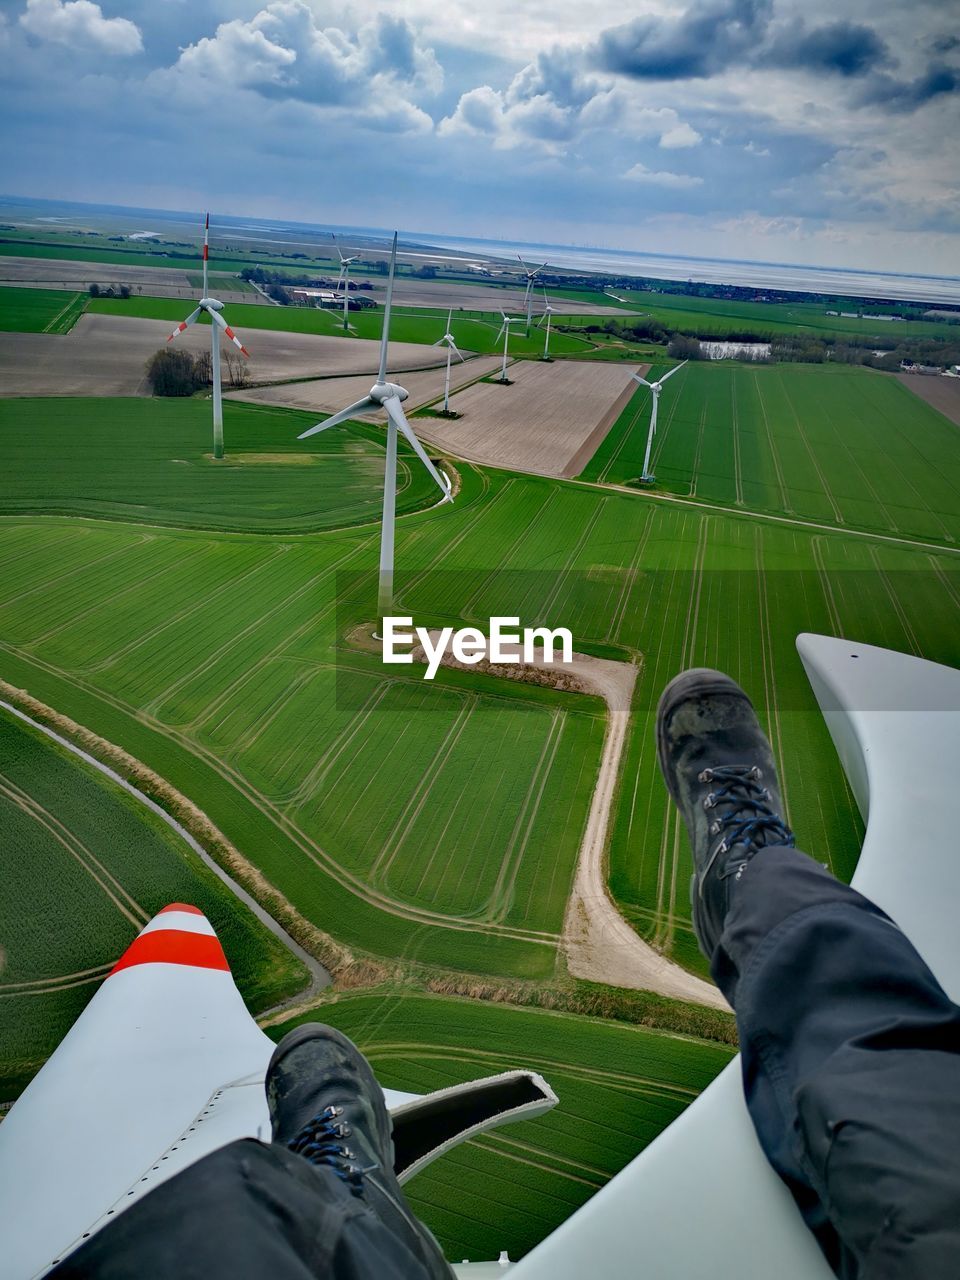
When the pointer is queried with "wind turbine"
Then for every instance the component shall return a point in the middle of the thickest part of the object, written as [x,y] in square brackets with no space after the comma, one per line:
[532,273]
[505,335]
[547,313]
[344,279]
[447,340]
[213,308]
[656,388]
[389,396]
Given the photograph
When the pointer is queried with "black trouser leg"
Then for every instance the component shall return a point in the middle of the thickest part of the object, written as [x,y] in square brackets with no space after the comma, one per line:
[851,1068]
[246,1212]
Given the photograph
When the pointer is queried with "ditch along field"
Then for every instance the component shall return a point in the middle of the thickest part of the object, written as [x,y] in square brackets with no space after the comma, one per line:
[833,445]
[618,1087]
[85,867]
[440,824]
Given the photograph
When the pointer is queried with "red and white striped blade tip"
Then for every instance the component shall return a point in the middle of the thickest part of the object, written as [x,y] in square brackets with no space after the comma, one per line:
[234,339]
[180,934]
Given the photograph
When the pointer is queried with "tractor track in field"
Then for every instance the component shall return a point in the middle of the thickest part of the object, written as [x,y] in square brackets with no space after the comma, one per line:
[774,456]
[811,453]
[49,986]
[501,897]
[128,907]
[501,1061]
[380,870]
[319,976]
[70,573]
[911,544]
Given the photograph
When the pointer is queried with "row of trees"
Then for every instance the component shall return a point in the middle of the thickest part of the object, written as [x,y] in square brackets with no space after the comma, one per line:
[172,371]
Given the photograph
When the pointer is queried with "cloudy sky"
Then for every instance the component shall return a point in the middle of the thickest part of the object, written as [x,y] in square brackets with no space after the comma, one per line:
[810,131]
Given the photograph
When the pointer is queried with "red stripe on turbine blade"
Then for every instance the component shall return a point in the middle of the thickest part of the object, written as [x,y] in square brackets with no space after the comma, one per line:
[206,225]
[230,334]
[181,906]
[173,946]
[245,351]
[206,251]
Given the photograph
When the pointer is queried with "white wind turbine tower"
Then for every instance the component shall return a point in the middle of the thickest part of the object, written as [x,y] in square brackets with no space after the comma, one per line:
[389,396]
[505,335]
[656,388]
[447,340]
[532,273]
[344,280]
[213,308]
[547,313]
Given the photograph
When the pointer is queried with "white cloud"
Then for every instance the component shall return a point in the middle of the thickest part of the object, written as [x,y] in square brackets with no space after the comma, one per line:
[282,53]
[551,105]
[80,23]
[662,178]
[681,135]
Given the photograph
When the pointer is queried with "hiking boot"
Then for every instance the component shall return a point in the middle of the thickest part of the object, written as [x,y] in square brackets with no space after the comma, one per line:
[718,767]
[326,1106]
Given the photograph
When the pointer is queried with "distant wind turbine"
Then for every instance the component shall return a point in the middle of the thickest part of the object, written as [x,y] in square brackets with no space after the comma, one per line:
[656,388]
[344,280]
[505,335]
[448,342]
[532,273]
[389,396]
[213,308]
[547,313]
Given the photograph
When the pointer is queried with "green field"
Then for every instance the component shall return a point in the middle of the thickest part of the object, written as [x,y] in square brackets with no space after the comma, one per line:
[150,460]
[722,316]
[839,445]
[85,867]
[478,333]
[618,1087]
[39,310]
[441,824]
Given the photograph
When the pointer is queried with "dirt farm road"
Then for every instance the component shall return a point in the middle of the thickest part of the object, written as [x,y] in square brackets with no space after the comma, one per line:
[600,945]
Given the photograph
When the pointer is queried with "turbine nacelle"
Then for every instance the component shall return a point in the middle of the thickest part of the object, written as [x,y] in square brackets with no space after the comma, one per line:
[211,304]
[382,391]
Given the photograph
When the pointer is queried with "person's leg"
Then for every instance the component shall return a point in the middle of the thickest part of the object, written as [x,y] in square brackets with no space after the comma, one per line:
[320,1200]
[850,1048]
[851,1067]
[250,1211]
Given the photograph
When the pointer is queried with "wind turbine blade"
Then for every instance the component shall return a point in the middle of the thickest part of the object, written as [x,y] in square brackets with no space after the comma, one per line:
[456,351]
[671,372]
[395,412]
[643,382]
[385,339]
[191,319]
[217,318]
[449,318]
[361,406]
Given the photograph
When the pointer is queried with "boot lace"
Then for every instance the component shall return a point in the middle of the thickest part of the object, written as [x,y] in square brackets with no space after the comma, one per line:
[321,1142]
[744,818]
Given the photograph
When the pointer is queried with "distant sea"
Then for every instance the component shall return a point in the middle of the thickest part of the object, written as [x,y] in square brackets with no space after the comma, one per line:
[756,275]
[842,281]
